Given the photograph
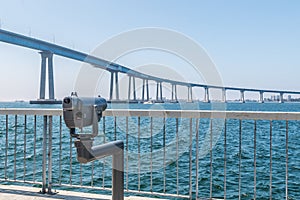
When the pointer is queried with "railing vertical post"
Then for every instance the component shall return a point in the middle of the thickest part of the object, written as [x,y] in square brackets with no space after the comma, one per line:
[71,157]
[115,128]
[44,155]
[240,157]
[286,160]
[197,157]
[225,157]
[211,158]
[191,159]
[255,122]
[34,149]
[164,156]
[139,153]
[6,147]
[104,141]
[118,175]
[270,160]
[127,156]
[15,147]
[151,151]
[24,159]
[92,174]
[60,149]
[177,157]
[50,156]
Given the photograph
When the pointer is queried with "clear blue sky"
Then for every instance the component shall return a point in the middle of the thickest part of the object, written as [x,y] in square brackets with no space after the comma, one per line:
[253,43]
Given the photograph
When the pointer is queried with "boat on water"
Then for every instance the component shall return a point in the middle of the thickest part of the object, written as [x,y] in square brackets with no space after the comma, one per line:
[19,101]
[148,102]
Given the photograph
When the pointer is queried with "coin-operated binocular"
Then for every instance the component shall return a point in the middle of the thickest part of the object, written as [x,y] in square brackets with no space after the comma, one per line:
[87,111]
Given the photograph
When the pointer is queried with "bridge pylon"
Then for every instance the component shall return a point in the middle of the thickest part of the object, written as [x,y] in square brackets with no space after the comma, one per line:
[174,94]
[190,94]
[46,57]
[145,85]
[224,95]
[159,97]
[242,98]
[131,79]
[261,97]
[206,95]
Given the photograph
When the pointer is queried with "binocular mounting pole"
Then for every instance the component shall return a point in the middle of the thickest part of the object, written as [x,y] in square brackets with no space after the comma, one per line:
[86,152]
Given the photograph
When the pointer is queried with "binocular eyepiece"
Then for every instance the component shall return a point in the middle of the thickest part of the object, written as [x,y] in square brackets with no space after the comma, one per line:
[82,112]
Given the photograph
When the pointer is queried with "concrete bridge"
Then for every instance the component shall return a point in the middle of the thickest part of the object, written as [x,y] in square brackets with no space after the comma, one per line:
[48,50]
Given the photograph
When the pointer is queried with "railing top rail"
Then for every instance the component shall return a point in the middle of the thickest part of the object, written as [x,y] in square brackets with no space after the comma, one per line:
[31,111]
[255,115]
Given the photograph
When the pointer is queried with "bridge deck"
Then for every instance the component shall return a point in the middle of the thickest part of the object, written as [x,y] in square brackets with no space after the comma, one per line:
[31,193]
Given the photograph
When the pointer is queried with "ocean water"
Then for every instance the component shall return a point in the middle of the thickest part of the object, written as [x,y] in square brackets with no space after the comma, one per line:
[164,155]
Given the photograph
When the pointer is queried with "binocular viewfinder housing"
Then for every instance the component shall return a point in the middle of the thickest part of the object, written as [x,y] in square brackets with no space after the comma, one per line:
[82,112]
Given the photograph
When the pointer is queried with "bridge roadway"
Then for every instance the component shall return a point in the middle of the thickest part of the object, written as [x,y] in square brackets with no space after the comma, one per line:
[47,49]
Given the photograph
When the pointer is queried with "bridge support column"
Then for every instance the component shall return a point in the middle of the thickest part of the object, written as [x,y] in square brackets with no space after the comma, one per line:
[134,91]
[206,95]
[147,89]
[261,97]
[47,56]
[111,85]
[157,88]
[224,95]
[281,100]
[159,91]
[117,85]
[50,76]
[143,90]
[112,75]
[242,99]
[175,87]
[174,93]
[161,97]
[190,94]
[43,75]
[129,88]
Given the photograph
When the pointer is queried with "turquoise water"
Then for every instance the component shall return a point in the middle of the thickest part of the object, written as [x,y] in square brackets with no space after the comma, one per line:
[160,144]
